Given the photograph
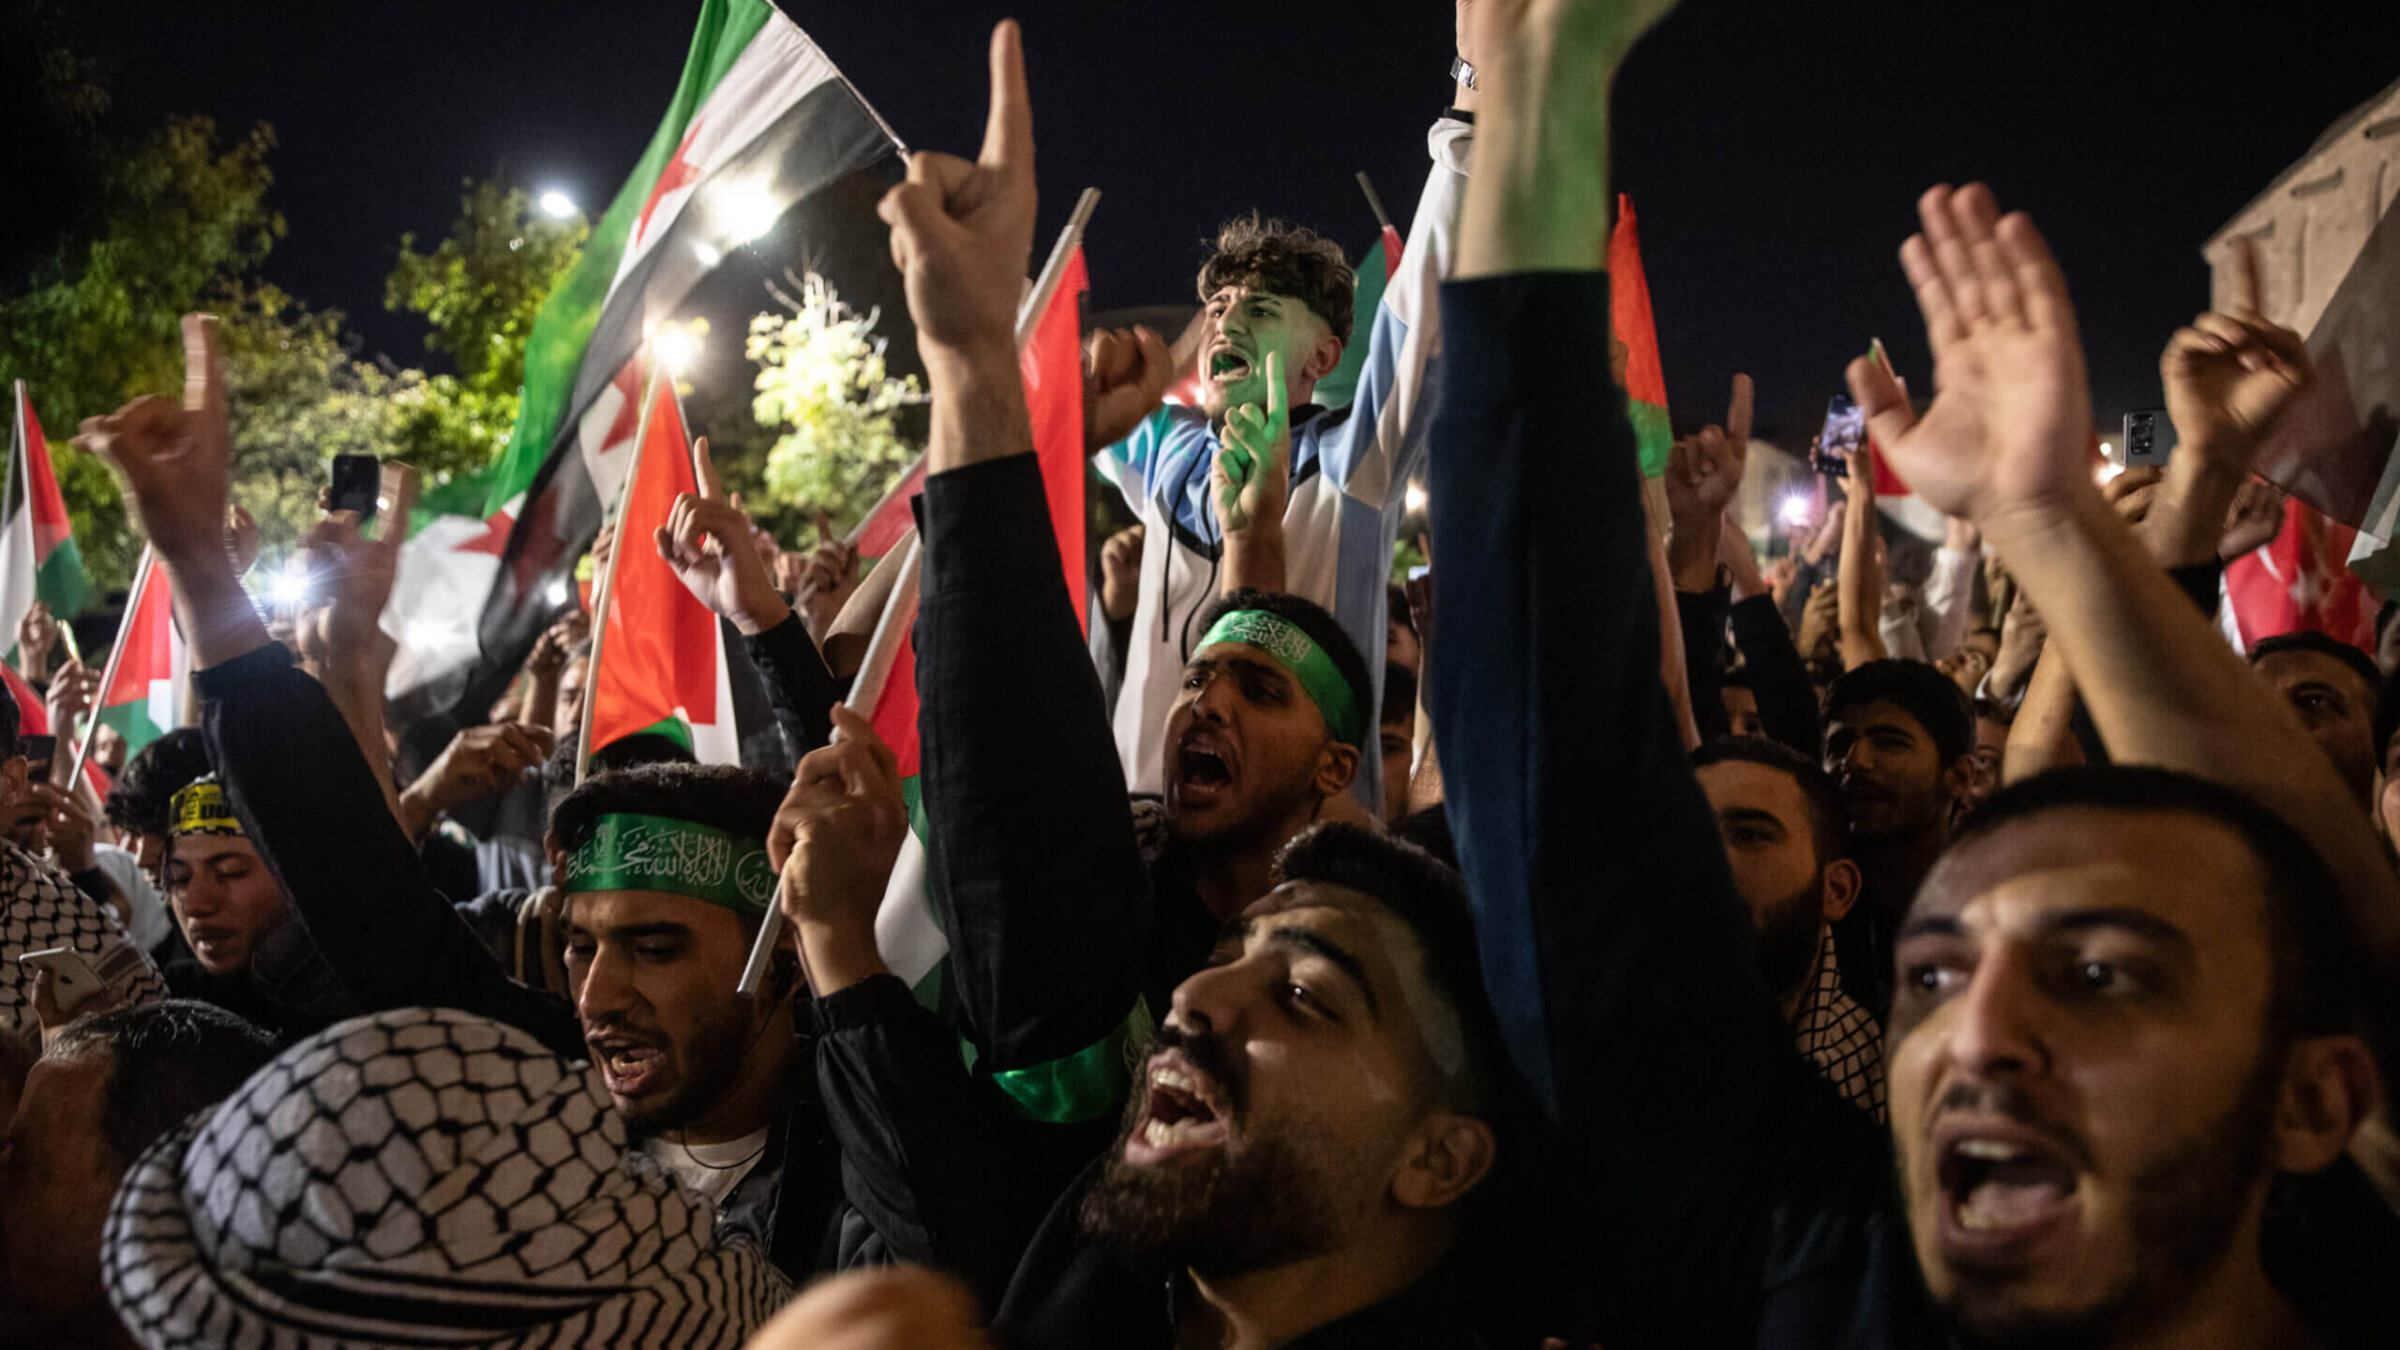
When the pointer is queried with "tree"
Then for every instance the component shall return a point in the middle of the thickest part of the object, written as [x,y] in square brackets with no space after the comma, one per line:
[181,218]
[822,385]
[480,290]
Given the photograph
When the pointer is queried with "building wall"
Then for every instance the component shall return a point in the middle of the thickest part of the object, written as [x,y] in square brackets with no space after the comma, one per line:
[2311,222]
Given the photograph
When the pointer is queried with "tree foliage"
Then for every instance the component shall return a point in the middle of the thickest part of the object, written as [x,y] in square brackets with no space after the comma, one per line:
[822,386]
[182,217]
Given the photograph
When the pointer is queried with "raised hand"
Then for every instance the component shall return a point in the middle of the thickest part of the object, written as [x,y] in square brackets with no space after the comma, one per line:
[2006,436]
[175,460]
[2232,372]
[2253,521]
[70,694]
[1704,470]
[241,539]
[707,541]
[962,230]
[1252,475]
[835,839]
[1126,372]
[37,633]
[350,579]
[478,761]
[1121,573]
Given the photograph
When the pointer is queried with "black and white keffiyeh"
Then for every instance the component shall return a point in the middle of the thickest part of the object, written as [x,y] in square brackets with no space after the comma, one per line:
[1840,1037]
[40,909]
[421,1177]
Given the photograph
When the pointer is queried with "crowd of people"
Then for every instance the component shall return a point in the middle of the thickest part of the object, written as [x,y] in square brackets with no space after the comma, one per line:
[1610,940]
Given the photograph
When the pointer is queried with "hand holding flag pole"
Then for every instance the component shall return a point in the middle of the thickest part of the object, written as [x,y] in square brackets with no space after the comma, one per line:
[108,672]
[892,627]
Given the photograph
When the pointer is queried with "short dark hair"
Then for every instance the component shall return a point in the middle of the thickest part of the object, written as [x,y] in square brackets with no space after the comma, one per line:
[1283,259]
[739,801]
[2318,974]
[1739,677]
[169,1059]
[1994,710]
[1919,690]
[1399,695]
[10,721]
[1322,628]
[1431,899]
[626,752]
[1826,823]
[2309,640]
[139,800]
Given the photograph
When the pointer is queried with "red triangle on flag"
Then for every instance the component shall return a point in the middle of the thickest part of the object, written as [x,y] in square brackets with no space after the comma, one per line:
[658,651]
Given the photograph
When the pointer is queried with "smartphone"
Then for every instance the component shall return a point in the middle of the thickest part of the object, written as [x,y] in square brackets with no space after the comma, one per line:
[357,481]
[1845,431]
[73,976]
[38,751]
[2149,438]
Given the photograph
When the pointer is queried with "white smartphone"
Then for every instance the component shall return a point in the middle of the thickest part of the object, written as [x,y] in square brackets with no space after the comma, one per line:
[73,978]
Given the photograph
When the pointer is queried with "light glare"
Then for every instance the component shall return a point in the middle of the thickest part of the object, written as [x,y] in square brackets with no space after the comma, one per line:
[1416,497]
[678,347]
[708,255]
[1795,508]
[557,205]
[748,210]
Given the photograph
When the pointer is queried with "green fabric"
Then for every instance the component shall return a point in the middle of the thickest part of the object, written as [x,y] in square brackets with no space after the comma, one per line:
[1298,653]
[61,582]
[1336,390]
[1652,434]
[132,721]
[631,852]
[554,349]
[1085,1085]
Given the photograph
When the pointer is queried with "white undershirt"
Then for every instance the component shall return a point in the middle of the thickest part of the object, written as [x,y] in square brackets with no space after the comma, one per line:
[712,1170]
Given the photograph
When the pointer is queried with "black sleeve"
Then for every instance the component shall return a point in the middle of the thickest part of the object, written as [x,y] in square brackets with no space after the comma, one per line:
[315,813]
[1702,617]
[1787,701]
[939,1168]
[801,691]
[1030,848]
[1615,948]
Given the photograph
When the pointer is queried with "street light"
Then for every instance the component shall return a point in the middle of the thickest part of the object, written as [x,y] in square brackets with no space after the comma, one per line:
[1415,498]
[678,347]
[1795,508]
[557,205]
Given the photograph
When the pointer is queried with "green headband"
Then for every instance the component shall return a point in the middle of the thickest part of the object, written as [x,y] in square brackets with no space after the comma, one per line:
[1298,653]
[653,853]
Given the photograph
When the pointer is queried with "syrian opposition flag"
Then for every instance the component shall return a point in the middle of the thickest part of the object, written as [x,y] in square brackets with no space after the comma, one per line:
[906,934]
[659,664]
[767,159]
[1635,332]
[1374,273]
[142,693]
[2299,581]
[38,557]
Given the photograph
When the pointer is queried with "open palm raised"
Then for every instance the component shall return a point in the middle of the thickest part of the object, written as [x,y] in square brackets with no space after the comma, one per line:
[2010,424]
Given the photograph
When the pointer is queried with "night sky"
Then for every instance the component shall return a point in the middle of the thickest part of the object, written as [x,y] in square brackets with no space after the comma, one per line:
[1773,149]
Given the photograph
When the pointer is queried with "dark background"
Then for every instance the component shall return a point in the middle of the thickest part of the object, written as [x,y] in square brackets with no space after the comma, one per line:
[1773,149]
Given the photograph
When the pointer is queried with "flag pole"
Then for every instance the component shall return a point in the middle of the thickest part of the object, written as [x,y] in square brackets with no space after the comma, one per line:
[606,591]
[888,632]
[1029,315]
[874,672]
[1383,219]
[108,674]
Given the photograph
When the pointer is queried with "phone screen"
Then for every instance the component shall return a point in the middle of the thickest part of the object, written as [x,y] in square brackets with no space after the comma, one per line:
[357,480]
[39,751]
[1845,430]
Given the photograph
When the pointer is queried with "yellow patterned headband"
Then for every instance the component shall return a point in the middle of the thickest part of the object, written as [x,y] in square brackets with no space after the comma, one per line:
[200,808]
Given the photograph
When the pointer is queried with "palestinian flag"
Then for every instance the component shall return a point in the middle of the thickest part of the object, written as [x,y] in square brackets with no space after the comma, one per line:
[660,666]
[1635,343]
[142,693]
[1374,273]
[766,160]
[38,557]
[1052,364]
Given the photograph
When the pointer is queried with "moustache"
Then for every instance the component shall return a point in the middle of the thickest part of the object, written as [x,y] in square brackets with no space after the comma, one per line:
[2010,1103]
[1210,1055]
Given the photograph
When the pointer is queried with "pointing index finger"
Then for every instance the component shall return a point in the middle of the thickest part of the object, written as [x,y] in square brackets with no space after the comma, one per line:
[1277,400]
[712,487]
[2247,292]
[203,381]
[1737,413]
[1008,132]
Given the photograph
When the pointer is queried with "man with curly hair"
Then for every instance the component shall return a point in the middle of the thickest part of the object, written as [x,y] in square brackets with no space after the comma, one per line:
[1340,475]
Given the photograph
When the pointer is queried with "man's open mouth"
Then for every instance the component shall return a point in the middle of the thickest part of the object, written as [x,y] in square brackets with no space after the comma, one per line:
[1226,365]
[1182,1113]
[1203,770]
[628,1065]
[2001,1189]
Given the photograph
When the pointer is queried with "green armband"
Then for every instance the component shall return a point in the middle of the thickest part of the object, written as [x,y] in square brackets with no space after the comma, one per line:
[1084,1085]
